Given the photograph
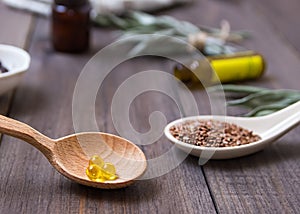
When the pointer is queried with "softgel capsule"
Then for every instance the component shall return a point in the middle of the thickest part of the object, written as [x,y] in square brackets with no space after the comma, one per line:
[100,171]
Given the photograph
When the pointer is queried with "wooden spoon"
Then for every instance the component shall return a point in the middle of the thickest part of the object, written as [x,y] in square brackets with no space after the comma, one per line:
[70,155]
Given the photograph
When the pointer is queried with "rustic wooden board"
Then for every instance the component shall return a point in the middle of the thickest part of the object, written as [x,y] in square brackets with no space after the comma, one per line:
[48,90]
[284,17]
[267,181]
[43,98]
[15,29]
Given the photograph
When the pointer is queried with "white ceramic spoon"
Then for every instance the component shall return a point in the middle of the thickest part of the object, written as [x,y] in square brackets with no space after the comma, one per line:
[270,128]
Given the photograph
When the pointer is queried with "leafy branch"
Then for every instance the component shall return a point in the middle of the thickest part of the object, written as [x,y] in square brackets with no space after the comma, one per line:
[259,101]
[137,23]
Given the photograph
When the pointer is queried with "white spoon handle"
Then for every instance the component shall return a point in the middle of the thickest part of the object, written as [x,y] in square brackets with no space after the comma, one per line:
[283,121]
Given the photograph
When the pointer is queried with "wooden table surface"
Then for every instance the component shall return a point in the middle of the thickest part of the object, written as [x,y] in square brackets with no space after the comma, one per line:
[265,182]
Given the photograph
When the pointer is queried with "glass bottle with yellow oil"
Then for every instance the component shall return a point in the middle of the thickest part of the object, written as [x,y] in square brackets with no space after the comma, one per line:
[222,69]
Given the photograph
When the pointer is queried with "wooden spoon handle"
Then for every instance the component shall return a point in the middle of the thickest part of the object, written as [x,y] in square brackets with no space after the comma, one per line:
[24,132]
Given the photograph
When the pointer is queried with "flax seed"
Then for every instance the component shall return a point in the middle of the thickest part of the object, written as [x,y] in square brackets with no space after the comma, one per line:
[211,133]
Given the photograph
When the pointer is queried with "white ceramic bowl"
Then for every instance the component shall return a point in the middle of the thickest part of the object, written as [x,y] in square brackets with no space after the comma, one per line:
[17,61]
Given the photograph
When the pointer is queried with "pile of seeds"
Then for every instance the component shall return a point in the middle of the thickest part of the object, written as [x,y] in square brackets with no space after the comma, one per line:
[212,133]
[2,68]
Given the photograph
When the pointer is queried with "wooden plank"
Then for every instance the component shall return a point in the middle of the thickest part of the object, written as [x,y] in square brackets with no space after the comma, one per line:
[44,102]
[182,190]
[261,182]
[15,30]
[44,97]
[284,17]
[15,26]
[265,182]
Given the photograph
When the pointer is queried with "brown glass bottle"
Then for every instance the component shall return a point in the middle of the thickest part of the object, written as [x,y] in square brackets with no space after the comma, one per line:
[71,25]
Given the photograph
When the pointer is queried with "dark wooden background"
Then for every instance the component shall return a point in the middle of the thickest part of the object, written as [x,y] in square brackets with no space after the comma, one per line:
[266,182]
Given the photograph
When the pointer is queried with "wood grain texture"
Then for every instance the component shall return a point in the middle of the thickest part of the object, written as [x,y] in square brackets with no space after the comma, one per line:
[70,155]
[24,132]
[16,29]
[265,182]
[283,16]
[48,90]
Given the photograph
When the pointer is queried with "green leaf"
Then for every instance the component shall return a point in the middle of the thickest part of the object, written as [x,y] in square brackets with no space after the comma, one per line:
[260,101]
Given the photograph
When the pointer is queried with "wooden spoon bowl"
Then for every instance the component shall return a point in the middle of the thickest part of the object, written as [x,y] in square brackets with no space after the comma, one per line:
[70,155]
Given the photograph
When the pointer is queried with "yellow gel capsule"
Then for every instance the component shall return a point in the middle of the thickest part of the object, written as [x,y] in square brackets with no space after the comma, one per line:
[109,171]
[94,172]
[97,161]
